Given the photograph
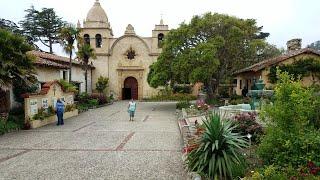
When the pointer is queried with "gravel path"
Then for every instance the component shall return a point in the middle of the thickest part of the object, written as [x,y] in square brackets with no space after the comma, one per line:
[98,144]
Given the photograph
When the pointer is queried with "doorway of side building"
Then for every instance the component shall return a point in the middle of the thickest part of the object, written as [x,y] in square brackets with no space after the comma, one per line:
[4,101]
[130,88]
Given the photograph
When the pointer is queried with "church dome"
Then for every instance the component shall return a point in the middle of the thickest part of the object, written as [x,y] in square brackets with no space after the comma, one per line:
[96,13]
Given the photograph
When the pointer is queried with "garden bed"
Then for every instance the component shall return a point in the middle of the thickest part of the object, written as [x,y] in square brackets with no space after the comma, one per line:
[86,108]
[51,119]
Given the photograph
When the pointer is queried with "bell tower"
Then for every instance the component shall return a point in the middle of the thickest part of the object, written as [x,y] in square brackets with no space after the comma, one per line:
[97,32]
[96,29]
[158,36]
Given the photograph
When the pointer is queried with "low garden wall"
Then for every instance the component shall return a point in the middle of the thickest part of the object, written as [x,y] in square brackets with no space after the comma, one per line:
[51,119]
[40,107]
[227,112]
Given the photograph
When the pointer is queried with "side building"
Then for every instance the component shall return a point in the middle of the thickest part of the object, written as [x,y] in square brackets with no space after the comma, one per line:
[246,77]
[49,67]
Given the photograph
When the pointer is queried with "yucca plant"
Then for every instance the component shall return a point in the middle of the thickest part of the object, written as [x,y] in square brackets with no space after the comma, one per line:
[218,150]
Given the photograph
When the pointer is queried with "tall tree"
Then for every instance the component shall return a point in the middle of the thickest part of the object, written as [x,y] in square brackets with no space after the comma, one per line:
[315,45]
[15,64]
[43,26]
[69,34]
[14,28]
[208,50]
[84,53]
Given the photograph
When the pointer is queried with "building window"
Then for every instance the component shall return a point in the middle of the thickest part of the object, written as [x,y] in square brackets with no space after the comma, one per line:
[131,54]
[160,40]
[65,75]
[86,38]
[98,41]
[234,81]
[41,84]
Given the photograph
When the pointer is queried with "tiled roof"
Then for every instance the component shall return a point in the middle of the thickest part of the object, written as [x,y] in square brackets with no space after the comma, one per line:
[269,62]
[44,62]
[44,89]
[55,59]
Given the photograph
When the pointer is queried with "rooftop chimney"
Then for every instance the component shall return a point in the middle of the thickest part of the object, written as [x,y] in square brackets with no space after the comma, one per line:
[294,44]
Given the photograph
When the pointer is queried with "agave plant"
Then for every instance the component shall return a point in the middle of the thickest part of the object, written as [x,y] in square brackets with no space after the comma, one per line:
[218,150]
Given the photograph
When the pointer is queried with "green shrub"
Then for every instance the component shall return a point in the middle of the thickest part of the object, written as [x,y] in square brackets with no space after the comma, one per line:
[70,107]
[219,150]
[291,139]
[82,107]
[173,97]
[182,88]
[3,128]
[215,102]
[42,114]
[183,104]
[21,87]
[239,169]
[16,115]
[93,102]
[247,124]
[102,84]
[7,126]
[69,87]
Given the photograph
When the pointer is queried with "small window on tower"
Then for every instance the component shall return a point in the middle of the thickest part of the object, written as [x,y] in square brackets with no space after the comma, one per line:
[131,53]
[98,41]
[86,38]
[160,40]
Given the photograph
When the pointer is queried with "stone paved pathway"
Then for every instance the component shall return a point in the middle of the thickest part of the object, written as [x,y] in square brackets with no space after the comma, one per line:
[98,144]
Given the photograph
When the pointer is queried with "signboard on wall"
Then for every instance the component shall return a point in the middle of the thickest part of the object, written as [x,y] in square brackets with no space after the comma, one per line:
[70,99]
[33,106]
[54,102]
[45,103]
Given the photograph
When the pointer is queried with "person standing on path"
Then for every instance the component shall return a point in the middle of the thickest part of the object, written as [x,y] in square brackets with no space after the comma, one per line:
[131,109]
[60,110]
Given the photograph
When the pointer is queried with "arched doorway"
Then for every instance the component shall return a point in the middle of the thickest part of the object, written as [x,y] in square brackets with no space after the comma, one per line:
[130,88]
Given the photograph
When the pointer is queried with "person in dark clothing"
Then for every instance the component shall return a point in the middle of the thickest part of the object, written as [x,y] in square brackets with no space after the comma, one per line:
[244,91]
[60,110]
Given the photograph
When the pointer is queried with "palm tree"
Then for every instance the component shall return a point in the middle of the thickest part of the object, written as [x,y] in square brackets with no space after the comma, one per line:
[85,52]
[15,63]
[69,35]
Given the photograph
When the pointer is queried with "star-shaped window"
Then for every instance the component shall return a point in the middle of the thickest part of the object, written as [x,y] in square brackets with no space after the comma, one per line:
[131,53]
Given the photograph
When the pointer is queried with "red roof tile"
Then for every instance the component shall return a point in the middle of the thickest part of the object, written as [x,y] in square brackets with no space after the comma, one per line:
[55,58]
[269,62]
[44,62]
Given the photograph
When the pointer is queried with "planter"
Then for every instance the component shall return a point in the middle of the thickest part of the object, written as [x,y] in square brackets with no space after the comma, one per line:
[52,119]
[70,114]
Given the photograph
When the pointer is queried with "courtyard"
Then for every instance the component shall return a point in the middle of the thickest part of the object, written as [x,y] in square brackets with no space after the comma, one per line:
[98,144]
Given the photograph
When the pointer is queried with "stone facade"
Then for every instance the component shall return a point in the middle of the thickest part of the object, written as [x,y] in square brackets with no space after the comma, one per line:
[119,58]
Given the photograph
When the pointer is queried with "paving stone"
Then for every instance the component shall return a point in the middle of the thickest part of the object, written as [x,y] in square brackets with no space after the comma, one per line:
[99,144]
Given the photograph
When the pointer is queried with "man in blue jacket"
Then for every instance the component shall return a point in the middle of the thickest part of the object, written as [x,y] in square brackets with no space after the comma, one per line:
[60,110]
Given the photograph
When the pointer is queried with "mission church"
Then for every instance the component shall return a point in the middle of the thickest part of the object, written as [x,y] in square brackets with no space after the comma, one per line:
[124,60]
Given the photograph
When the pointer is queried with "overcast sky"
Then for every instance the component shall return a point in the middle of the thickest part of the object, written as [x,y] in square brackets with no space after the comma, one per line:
[283,19]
